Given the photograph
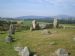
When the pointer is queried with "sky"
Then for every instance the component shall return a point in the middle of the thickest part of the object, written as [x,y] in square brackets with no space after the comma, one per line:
[16,8]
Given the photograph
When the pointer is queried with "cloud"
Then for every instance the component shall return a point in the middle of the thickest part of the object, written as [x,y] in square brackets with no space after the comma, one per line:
[55,2]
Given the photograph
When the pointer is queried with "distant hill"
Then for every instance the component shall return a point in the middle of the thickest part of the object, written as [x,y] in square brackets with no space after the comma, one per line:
[33,17]
[46,17]
[64,17]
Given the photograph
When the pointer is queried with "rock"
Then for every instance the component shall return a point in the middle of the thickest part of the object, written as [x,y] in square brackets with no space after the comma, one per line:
[9,39]
[46,26]
[34,55]
[74,39]
[25,52]
[52,43]
[22,51]
[46,32]
[61,52]
[18,49]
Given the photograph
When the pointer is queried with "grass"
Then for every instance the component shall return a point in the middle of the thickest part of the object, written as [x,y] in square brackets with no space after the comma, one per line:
[38,42]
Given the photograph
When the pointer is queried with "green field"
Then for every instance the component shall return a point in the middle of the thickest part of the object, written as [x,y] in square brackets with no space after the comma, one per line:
[38,42]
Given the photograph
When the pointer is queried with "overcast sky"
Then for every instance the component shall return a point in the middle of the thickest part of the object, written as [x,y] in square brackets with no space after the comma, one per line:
[14,8]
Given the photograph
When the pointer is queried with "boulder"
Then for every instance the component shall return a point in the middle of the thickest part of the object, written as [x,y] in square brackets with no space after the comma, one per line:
[34,55]
[53,43]
[61,52]
[25,52]
[18,49]
[9,39]
[22,51]
[46,31]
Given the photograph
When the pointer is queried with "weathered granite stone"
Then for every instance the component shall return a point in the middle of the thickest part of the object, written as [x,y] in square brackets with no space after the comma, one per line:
[73,38]
[46,32]
[55,23]
[61,52]
[35,25]
[53,43]
[9,39]
[22,51]
[11,29]
[34,55]
[18,48]
[25,52]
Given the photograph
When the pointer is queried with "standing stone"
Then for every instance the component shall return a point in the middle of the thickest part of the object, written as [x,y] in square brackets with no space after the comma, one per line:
[61,52]
[55,23]
[11,29]
[35,25]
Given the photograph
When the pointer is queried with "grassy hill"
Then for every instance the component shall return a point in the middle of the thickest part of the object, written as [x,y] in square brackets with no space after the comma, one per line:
[38,42]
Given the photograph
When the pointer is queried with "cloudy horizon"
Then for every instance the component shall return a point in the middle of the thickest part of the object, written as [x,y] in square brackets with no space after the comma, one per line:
[15,8]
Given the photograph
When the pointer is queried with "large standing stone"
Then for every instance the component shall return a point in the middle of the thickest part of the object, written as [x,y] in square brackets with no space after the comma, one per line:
[11,29]
[61,52]
[55,23]
[35,25]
